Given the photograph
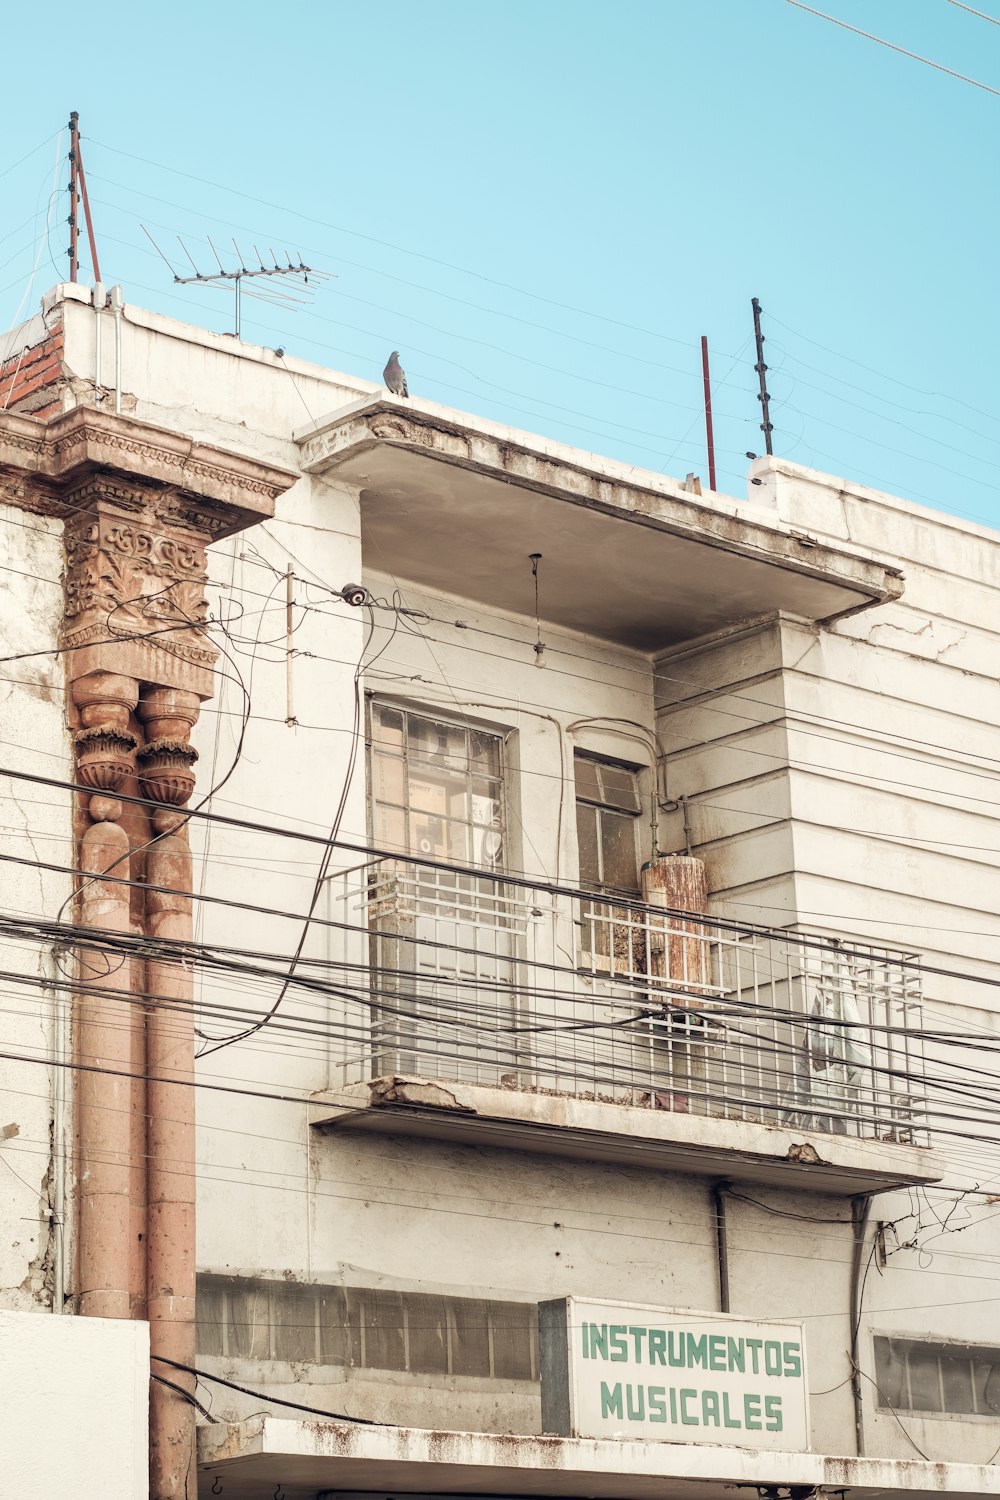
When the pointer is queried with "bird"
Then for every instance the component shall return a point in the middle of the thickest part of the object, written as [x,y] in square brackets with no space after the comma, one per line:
[394,376]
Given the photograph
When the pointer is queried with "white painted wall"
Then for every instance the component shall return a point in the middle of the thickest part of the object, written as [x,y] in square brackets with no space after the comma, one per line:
[74,1397]
[35,828]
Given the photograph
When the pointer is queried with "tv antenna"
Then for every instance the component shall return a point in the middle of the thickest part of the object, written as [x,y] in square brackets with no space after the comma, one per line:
[300,277]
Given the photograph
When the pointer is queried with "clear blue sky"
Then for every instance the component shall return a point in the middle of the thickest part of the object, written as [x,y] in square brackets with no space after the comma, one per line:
[543,203]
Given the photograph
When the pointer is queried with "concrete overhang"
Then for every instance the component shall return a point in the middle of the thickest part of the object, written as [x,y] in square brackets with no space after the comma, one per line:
[456,503]
[592,1131]
[265,1456]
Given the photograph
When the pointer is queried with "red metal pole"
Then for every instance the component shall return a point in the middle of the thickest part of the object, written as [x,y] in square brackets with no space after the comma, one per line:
[86,212]
[709,435]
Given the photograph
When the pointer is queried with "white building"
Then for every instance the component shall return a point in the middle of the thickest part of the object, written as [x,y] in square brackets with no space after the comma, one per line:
[505,1072]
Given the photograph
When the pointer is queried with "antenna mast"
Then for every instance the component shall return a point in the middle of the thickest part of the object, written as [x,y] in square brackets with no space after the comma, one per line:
[78,189]
[74,194]
[761,368]
[235,278]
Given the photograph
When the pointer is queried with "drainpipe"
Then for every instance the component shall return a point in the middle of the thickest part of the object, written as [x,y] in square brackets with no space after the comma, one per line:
[167,779]
[861,1208]
[722,1242]
[100,302]
[117,298]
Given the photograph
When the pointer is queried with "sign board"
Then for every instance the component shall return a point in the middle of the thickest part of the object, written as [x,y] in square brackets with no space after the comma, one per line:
[613,1370]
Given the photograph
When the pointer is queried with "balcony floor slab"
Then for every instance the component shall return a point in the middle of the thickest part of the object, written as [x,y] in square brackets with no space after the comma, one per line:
[590,1130]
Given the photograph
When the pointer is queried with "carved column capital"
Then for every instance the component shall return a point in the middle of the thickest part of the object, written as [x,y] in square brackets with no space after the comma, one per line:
[104,744]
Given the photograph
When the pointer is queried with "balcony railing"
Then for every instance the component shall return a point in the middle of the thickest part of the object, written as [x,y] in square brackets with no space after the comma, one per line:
[483,980]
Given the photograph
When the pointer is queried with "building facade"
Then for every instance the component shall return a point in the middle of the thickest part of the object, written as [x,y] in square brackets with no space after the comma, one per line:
[448,874]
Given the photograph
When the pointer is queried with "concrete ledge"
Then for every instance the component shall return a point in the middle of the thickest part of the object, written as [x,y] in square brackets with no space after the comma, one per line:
[631,555]
[559,1125]
[318,1458]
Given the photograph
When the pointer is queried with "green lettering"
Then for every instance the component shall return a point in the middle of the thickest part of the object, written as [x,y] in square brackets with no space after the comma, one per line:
[657,1346]
[772,1357]
[585,1331]
[697,1351]
[717,1352]
[638,1334]
[675,1349]
[772,1411]
[754,1345]
[611,1401]
[599,1340]
[673,1406]
[619,1343]
[737,1355]
[687,1396]
[710,1408]
[657,1403]
[793,1359]
[638,1414]
[751,1413]
[728,1420]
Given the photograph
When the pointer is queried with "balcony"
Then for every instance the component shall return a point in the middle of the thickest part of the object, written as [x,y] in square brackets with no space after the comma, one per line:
[560,1022]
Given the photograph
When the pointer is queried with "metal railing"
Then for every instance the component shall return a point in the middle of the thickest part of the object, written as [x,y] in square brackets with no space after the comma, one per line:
[479,979]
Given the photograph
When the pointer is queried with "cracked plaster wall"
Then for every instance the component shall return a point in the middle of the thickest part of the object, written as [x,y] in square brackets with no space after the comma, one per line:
[35,827]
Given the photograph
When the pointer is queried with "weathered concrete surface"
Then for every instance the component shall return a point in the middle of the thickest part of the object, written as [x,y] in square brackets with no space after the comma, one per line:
[309,1458]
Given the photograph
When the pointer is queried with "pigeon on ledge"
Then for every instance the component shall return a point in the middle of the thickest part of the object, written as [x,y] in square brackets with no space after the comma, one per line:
[394,377]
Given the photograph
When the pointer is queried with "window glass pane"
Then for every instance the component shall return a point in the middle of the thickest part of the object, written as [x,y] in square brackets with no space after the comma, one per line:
[427,1325]
[390,828]
[429,793]
[512,1341]
[427,836]
[621,871]
[586,833]
[925,1380]
[383,1319]
[484,752]
[249,1322]
[211,1314]
[956,1378]
[339,1327]
[620,787]
[388,779]
[294,1312]
[436,742]
[987,1378]
[470,1339]
[890,1373]
[387,727]
[587,784]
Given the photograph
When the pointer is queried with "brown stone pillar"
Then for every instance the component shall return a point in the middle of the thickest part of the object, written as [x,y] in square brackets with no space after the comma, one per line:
[106,1018]
[167,779]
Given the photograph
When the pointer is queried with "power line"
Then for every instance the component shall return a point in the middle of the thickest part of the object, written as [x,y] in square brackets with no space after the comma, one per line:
[869,36]
[973,12]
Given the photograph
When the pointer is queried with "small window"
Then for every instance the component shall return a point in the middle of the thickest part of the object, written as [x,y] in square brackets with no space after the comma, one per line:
[917,1375]
[607,820]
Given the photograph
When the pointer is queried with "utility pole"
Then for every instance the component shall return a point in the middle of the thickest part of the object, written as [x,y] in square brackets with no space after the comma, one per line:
[761,368]
[709,435]
[74,194]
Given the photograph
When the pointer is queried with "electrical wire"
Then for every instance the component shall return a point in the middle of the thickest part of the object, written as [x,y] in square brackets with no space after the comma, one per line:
[799,5]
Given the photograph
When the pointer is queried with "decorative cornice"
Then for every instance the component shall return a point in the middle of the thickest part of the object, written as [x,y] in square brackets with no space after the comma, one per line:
[212,490]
